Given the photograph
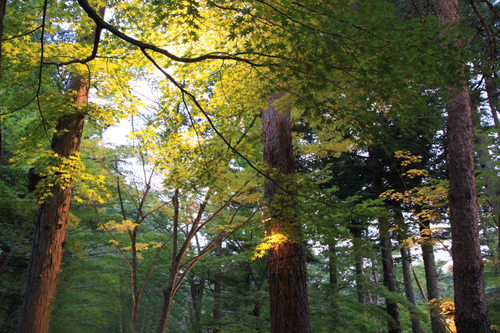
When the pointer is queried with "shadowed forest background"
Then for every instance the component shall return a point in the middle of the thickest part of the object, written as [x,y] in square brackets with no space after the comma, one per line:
[282,166]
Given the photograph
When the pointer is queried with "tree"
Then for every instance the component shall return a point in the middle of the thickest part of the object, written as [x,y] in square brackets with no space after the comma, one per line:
[52,216]
[468,275]
[287,267]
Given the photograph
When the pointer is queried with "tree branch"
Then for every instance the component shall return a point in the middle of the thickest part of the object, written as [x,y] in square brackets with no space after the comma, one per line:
[101,24]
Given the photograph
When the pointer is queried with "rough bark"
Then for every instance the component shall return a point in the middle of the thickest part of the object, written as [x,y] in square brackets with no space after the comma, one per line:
[288,289]
[52,219]
[287,268]
[431,279]
[389,275]
[471,313]
[50,228]
[468,276]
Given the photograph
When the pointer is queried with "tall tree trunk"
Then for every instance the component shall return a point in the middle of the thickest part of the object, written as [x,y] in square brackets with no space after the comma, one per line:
[431,278]
[388,271]
[287,267]
[52,219]
[471,313]
[389,274]
[410,295]
[406,265]
[50,227]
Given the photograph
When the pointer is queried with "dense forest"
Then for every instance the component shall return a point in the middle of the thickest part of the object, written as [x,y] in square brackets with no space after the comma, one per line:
[274,166]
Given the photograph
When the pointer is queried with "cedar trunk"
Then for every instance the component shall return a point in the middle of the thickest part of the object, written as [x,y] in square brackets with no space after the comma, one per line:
[471,313]
[52,218]
[287,267]
[50,226]
[431,279]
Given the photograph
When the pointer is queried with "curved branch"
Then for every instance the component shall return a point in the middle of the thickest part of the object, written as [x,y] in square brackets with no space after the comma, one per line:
[23,34]
[101,24]
[91,57]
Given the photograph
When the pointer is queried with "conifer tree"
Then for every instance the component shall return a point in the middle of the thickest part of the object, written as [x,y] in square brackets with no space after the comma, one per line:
[468,275]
